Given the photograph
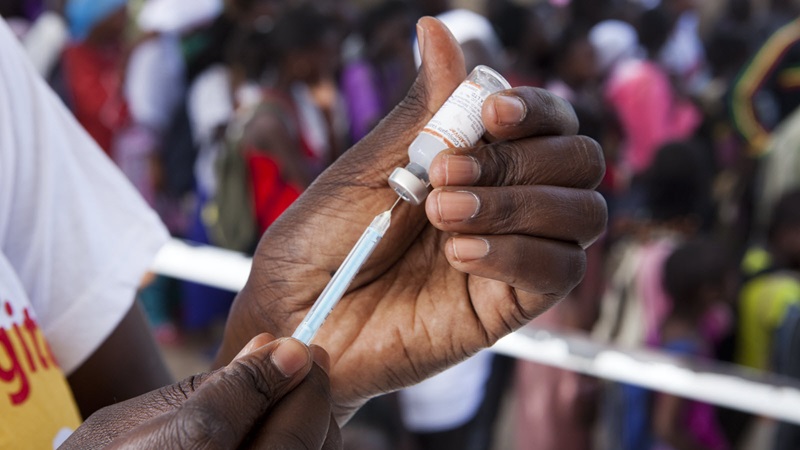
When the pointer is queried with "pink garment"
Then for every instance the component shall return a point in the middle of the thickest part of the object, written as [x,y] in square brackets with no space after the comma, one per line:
[656,303]
[650,113]
[701,419]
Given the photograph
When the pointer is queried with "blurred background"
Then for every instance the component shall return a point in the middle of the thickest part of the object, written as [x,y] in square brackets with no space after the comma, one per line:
[221,112]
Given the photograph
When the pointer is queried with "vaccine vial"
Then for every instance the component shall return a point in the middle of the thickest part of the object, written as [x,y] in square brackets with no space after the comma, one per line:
[458,123]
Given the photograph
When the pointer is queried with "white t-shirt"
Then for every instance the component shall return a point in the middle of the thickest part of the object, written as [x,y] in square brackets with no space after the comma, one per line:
[449,399]
[75,240]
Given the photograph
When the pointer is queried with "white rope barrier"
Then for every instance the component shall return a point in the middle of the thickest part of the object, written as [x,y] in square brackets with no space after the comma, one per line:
[212,266]
[708,381]
[712,382]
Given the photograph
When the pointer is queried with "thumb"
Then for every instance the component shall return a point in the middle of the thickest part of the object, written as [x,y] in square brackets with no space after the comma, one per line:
[441,72]
[230,402]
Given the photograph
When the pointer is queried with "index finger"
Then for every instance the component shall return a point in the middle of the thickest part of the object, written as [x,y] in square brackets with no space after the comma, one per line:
[527,111]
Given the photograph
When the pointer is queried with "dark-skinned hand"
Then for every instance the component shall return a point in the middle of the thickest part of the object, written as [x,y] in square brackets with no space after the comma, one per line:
[274,395]
[500,239]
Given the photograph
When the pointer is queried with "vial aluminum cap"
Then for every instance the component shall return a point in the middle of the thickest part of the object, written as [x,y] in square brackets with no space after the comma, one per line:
[408,186]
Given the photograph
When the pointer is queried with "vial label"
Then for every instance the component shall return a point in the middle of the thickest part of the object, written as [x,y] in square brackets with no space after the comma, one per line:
[458,122]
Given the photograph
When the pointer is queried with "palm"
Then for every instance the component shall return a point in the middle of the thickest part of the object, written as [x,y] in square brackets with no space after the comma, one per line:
[390,328]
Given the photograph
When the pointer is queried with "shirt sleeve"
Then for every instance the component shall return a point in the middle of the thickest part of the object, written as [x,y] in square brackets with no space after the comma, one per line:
[74,229]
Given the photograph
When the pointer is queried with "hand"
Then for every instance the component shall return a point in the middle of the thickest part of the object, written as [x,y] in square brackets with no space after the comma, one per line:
[271,396]
[448,279]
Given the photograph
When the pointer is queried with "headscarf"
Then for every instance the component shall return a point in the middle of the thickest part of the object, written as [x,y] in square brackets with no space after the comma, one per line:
[84,15]
[614,41]
[177,16]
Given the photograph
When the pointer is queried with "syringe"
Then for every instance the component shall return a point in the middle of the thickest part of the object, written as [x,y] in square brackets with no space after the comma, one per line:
[341,280]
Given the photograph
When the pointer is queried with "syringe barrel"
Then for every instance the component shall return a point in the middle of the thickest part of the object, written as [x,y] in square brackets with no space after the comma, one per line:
[342,279]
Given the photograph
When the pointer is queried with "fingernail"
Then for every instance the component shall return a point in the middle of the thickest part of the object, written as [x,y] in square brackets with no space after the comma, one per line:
[509,110]
[290,356]
[457,206]
[461,170]
[421,40]
[469,249]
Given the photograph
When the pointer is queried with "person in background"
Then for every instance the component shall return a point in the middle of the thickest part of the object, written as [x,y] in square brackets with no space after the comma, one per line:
[649,110]
[699,277]
[576,77]
[766,294]
[635,304]
[156,152]
[616,43]
[683,54]
[93,66]
[222,71]
[380,70]
[295,130]
[525,39]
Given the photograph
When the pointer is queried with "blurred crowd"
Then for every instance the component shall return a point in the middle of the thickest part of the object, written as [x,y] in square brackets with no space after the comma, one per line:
[221,112]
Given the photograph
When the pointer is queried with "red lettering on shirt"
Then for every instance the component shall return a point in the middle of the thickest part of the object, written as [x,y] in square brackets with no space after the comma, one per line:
[32,344]
[15,372]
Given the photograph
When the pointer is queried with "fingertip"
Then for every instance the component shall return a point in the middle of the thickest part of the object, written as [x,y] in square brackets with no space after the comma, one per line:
[254,344]
[440,51]
[290,356]
[321,357]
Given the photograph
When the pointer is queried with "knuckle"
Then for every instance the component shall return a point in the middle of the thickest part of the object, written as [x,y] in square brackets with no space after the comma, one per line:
[555,114]
[518,206]
[546,104]
[591,157]
[575,266]
[175,394]
[517,255]
[256,375]
[595,217]
[601,215]
[496,164]
[199,428]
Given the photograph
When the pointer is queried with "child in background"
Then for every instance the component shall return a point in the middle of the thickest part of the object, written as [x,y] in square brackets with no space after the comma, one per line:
[768,294]
[635,305]
[699,277]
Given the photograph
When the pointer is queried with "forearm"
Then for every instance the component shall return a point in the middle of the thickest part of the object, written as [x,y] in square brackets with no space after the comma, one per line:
[126,365]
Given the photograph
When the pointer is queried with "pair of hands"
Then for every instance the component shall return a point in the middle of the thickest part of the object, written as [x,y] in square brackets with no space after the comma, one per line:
[501,239]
